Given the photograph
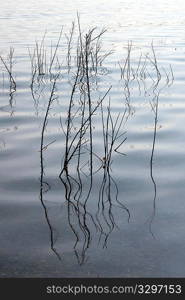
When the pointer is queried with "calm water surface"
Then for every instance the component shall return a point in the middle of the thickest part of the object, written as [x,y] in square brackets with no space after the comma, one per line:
[149,178]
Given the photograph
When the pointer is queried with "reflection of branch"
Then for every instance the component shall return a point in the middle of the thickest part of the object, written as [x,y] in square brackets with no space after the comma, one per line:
[42,148]
[104,214]
[76,212]
[154,105]
[155,109]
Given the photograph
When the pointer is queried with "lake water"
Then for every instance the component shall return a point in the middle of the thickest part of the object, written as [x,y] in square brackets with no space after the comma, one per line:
[123,219]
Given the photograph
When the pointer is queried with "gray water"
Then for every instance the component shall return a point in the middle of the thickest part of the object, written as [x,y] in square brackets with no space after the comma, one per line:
[150,183]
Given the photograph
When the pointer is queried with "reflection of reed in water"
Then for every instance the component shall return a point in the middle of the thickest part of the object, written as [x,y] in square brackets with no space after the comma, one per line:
[76,192]
[152,79]
[156,90]
[42,182]
[44,66]
[155,110]
[112,141]
[142,73]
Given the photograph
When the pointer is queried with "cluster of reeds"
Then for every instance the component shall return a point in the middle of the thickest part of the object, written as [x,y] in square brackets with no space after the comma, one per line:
[79,134]
[8,66]
[161,78]
[80,159]
[153,79]
[113,139]
[42,62]
[77,128]
[145,74]
[44,66]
